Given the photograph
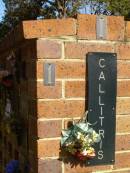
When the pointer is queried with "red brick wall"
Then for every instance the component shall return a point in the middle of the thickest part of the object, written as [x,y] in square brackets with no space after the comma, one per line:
[65,43]
[58,104]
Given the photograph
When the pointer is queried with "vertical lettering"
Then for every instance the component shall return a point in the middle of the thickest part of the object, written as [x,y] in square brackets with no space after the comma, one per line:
[100,103]
[100,154]
[102,76]
[100,144]
[101,132]
[101,110]
[100,89]
[101,120]
[102,98]
[101,63]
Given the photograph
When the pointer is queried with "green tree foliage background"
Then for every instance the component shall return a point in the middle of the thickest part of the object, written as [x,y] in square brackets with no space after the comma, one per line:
[111,7]
[18,10]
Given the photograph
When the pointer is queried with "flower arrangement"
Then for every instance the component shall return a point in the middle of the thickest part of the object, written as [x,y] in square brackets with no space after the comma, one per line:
[79,140]
[12,167]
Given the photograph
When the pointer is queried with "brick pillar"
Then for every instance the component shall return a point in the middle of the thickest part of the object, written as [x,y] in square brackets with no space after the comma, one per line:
[66,43]
[66,100]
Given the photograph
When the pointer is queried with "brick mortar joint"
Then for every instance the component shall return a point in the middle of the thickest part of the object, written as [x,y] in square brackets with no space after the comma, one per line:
[48,158]
[110,171]
[49,139]
[122,152]
[56,119]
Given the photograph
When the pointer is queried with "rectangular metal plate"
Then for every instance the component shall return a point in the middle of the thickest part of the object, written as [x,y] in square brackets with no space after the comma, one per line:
[101,27]
[49,74]
[102,84]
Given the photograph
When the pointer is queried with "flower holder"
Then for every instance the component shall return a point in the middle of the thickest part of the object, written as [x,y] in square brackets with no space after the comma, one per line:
[79,139]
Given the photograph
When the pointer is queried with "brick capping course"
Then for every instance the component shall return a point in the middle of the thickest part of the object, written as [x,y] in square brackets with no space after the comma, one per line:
[59,28]
[49,109]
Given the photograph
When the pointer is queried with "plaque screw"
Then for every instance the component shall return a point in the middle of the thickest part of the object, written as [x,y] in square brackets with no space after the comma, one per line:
[90,110]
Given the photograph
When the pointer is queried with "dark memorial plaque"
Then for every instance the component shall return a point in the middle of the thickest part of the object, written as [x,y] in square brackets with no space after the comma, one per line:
[102,84]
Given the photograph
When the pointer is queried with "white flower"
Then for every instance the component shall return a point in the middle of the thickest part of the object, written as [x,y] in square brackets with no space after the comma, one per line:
[68,144]
[84,152]
[79,135]
[95,136]
[89,141]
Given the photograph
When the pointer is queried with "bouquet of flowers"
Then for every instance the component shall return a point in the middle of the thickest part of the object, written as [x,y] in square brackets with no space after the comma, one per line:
[79,139]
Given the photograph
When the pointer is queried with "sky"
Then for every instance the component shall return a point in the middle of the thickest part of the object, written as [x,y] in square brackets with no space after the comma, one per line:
[1,9]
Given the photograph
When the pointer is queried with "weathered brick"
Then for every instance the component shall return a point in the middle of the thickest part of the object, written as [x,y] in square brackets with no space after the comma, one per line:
[123,51]
[114,32]
[122,161]
[72,69]
[58,109]
[123,70]
[75,89]
[48,148]
[49,166]
[123,106]
[49,49]
[122,88]
[123,125]
[83,169]
[39,90]
[49,28]
[49,91]
[70,108]
[127,34]
[74,50]
[87,27]
[49,129]
[36,53]
[79,88]
[64,69]
[122,142]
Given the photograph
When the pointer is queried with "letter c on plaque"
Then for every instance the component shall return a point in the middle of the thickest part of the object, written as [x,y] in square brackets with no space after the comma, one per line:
[101,63]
